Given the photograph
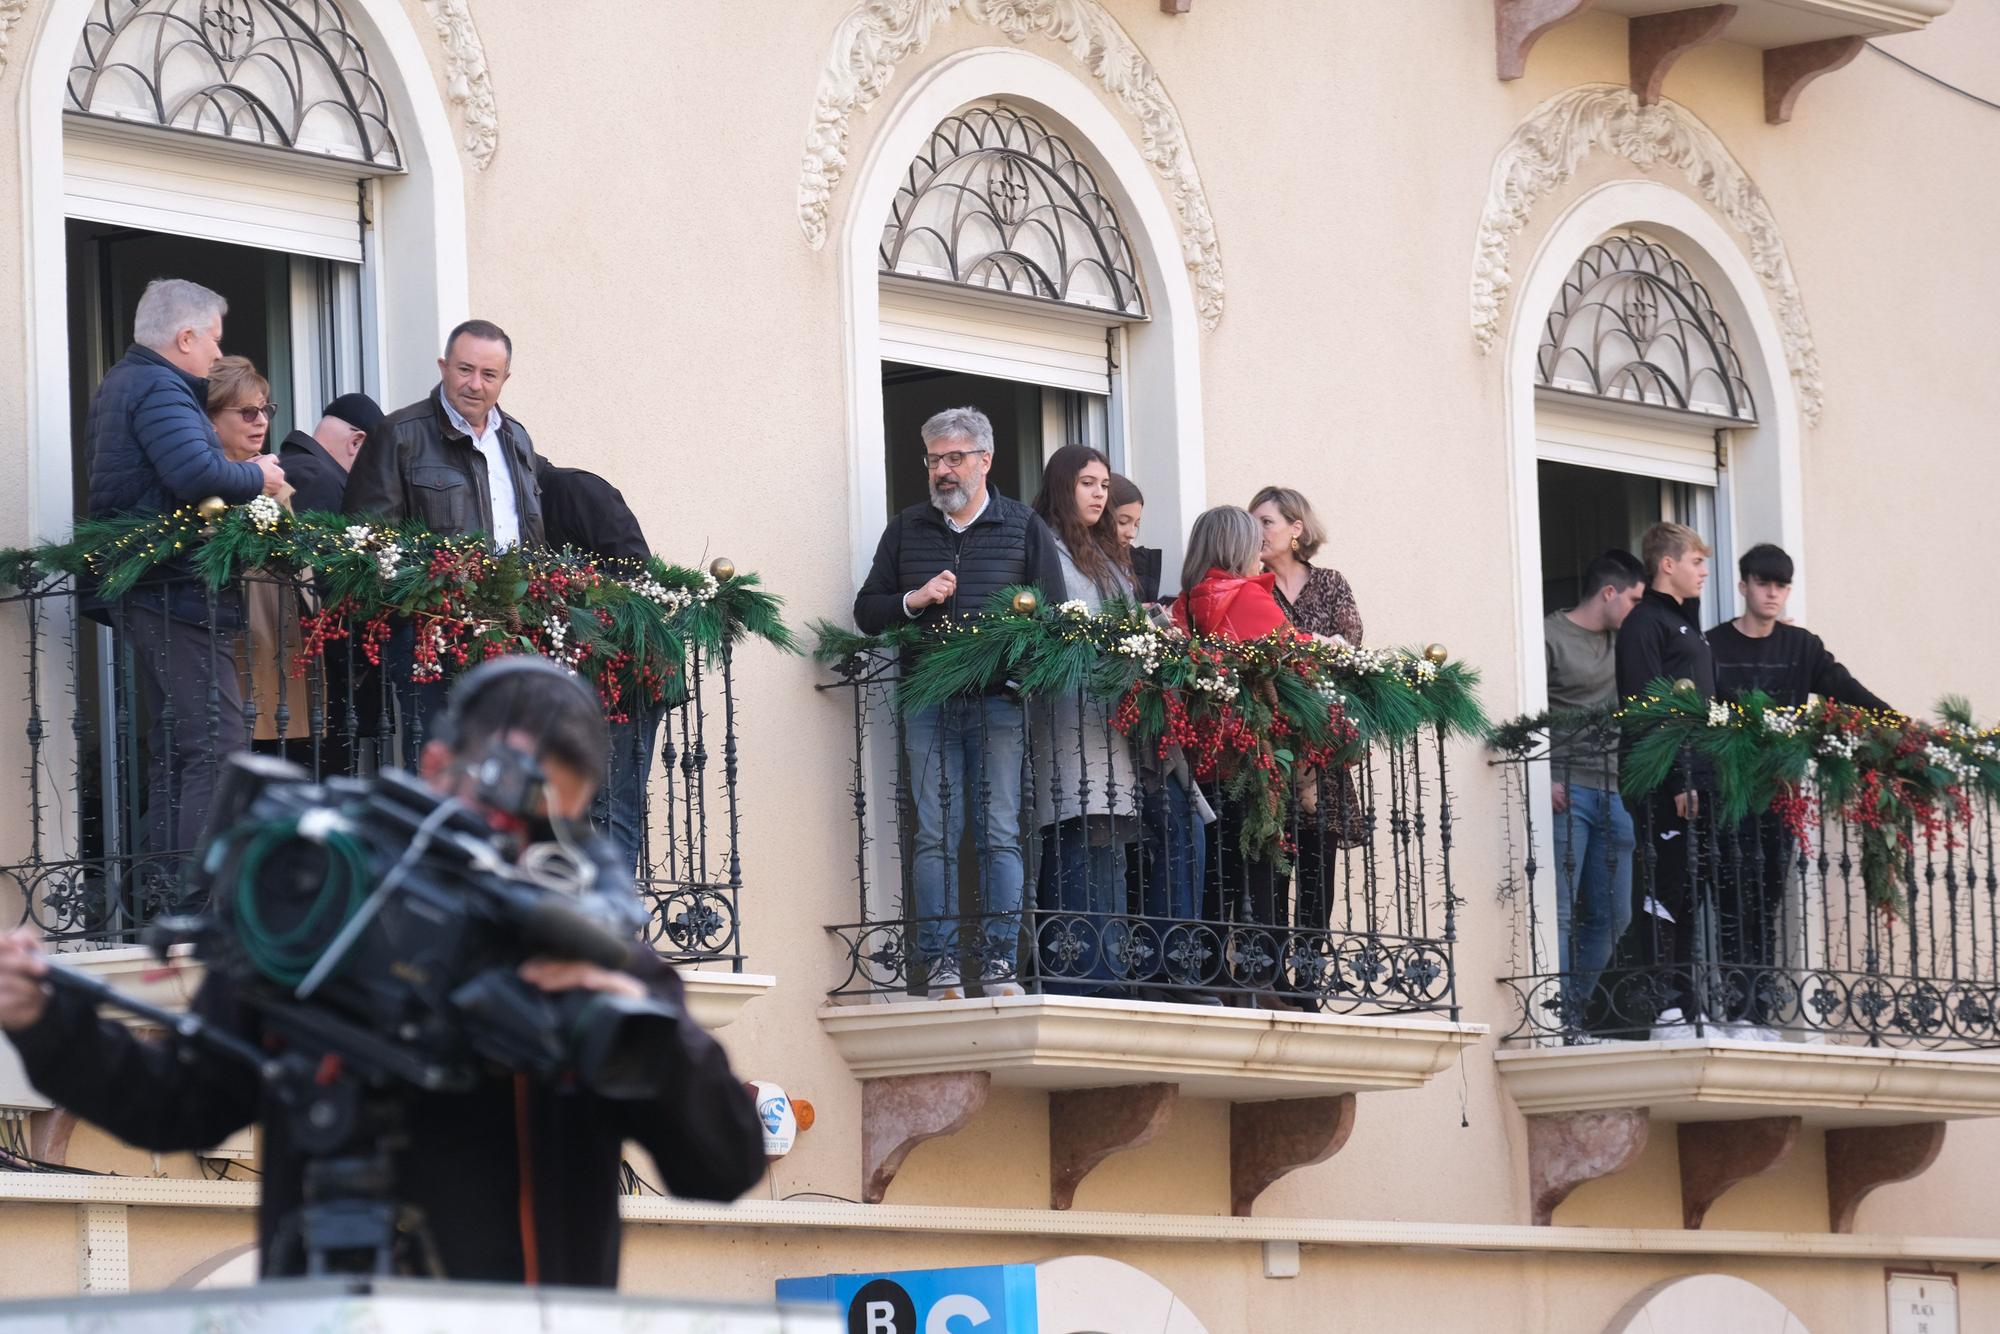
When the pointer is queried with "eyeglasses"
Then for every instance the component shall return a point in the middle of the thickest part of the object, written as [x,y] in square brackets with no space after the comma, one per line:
[250,416]
[952,460]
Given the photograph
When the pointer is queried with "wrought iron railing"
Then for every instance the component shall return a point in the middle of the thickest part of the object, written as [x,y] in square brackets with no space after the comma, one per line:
[121,718]
[1659,918]
[1134,881]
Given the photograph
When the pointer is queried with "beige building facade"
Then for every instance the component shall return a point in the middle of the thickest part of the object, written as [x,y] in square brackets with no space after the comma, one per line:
[1344,237]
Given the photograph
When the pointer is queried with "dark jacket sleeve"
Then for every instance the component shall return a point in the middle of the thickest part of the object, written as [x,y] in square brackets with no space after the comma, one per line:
[1832,681]
[703,1131]
[879,604]
[1045,569]
[166,1095]
[317,486]
[1640,657]
[181,447]
[375,485]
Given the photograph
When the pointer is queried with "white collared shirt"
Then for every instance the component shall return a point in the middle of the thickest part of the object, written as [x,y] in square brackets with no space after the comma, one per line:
[499,481]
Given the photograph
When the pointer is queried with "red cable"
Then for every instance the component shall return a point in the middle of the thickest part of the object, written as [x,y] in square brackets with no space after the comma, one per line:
[531,1260]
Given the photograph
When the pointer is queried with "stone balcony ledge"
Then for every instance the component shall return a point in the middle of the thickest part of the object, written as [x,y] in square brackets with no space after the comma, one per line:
[1065,1042]
[1714,1079]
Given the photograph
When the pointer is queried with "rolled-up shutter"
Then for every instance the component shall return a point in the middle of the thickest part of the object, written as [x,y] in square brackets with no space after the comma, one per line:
[1673,451]
[1005,337]
[268,198]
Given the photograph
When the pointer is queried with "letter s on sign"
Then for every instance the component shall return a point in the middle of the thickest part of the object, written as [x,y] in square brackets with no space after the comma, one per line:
[938,1320]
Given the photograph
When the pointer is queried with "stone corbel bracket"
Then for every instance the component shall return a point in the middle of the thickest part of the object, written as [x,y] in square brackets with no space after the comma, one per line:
[1543,155]
[1086,1126]
[876,36]
[1788,69]
[1860,1159]
[1653,42]
[1566,1149]
[1519,24]
[900,1112]
[1269,1140]
[1716,1155]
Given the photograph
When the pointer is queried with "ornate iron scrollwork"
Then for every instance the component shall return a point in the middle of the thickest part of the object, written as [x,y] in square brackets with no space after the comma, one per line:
[286,73]
[995,200]
[1632,324]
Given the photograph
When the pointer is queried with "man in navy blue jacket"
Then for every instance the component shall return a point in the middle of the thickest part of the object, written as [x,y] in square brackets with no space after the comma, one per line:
[152,450]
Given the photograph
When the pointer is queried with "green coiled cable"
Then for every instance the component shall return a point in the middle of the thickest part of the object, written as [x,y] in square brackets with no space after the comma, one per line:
[287,956]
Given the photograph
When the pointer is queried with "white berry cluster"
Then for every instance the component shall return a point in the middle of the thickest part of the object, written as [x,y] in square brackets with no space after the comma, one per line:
[1366,661]
[1143,646]
[1423,669]
[1218,685]
[1780,723]
[1075,608]
[1944,757]
[1718,713]
[1839,745]
[674,600]
[264,514]
[387,559]
[359,535]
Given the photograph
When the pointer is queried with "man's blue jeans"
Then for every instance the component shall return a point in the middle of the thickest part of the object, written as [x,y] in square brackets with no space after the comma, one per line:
[964,757]
[1172,857]
[1594,843]
[620,807]
[1083,887]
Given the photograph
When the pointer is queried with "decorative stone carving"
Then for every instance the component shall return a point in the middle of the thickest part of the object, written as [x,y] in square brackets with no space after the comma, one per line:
[10,14]
[878,35]
[467,82]
[1543,155]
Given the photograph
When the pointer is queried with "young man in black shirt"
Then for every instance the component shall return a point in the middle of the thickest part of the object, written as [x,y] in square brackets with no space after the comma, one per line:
[1758,651]
[1661,639]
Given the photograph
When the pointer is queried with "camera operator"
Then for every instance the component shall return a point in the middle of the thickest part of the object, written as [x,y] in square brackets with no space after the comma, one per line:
[517,1178]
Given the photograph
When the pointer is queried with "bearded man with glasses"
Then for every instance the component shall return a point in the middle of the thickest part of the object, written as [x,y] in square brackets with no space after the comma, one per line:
[940,562]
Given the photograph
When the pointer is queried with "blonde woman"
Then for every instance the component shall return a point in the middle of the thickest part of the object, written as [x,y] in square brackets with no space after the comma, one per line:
[239,407]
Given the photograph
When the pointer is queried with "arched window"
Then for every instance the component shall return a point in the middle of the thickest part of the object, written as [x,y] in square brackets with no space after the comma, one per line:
[1633,325]
[995,200]
[285,73]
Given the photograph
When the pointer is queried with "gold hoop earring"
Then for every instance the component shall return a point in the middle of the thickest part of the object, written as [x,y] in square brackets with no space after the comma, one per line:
[1295,546]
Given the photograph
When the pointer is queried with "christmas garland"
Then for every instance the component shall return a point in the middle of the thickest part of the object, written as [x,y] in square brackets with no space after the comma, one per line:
[627,629]
[1248,716]
[1892,777]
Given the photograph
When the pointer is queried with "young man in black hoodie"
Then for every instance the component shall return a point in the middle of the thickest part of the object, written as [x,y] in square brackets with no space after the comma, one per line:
[1661,640]
[1758,651]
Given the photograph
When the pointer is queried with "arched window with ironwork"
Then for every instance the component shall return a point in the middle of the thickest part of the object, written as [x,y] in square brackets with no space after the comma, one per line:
[1633,324]
[996,200]
[284,73]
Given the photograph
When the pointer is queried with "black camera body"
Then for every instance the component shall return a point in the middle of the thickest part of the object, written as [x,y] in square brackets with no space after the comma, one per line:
[384,924]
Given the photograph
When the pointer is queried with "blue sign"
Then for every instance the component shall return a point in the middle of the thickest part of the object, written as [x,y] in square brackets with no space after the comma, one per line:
[983,1299]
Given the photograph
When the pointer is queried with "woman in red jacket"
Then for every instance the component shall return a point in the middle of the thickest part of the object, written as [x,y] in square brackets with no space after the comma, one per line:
[1226,597]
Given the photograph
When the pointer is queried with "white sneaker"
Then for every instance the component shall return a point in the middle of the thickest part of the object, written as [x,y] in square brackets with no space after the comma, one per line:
[1670,1027]
[952,992]
[998,980]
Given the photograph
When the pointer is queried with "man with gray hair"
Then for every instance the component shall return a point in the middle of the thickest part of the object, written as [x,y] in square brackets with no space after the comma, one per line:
[152,450]
[941,561]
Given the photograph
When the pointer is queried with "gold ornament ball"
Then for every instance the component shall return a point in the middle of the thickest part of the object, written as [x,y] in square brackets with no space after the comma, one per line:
[1026,603]
[1436,654]
[723,568]
[1684,683]
[212,509]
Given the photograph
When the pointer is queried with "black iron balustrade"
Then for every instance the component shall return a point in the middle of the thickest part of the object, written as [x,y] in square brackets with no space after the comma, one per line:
[1116,901]
[1761,928]
[104,840]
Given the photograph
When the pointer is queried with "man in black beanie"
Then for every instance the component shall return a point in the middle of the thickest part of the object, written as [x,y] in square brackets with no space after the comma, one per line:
[316,466]
[317,463]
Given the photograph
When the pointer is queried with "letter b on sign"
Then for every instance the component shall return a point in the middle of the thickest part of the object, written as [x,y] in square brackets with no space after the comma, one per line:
[882,1307]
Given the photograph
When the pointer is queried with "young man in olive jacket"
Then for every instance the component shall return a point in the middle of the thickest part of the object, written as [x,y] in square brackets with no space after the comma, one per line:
[941,561]
[517,1177]
[1661,639]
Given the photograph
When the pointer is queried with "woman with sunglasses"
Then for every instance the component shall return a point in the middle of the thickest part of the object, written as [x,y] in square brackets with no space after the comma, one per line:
[279,696]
